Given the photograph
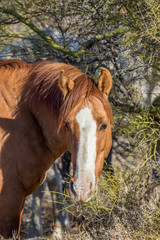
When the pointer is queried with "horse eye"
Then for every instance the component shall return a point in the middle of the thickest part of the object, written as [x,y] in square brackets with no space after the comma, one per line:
[67,125]
[103,126]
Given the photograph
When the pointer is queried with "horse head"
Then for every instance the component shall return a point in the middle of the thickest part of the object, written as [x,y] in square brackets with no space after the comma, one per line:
[88,132]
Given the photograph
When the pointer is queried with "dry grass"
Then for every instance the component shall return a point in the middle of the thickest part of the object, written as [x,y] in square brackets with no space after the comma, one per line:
[124,208]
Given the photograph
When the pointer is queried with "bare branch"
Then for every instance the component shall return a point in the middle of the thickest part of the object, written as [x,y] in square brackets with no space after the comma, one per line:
[43,35]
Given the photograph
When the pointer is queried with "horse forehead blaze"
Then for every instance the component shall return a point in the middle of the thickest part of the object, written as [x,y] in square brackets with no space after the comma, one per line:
[86,121]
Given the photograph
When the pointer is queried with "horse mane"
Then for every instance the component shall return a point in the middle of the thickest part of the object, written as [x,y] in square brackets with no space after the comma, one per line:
[42,87]
[13,64]
[14,71]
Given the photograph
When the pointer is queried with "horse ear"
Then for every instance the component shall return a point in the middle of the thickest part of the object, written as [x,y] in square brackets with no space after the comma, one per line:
[105,81]
[65,83]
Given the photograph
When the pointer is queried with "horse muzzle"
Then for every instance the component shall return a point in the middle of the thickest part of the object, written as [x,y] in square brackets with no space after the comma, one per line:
[82,192]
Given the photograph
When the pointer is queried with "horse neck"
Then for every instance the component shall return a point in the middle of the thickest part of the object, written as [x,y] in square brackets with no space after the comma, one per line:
[55,141]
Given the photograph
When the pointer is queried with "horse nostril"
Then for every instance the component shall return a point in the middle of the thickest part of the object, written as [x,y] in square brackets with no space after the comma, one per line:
[91,185]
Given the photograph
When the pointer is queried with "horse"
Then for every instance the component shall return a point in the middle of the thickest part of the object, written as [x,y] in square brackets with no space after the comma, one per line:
[47,108]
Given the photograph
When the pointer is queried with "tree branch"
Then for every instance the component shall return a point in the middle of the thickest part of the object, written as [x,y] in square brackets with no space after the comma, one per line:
[52,43]
[43,35]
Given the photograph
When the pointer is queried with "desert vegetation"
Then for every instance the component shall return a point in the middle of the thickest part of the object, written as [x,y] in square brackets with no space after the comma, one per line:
[123,36]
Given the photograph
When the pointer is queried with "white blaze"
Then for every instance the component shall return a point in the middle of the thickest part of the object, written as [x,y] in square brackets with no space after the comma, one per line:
[85,169]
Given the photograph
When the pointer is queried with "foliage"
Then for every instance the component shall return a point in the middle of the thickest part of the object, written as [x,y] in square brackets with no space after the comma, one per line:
[126,207]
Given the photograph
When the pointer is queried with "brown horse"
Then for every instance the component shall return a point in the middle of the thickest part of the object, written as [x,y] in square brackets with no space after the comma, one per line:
[45,109]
